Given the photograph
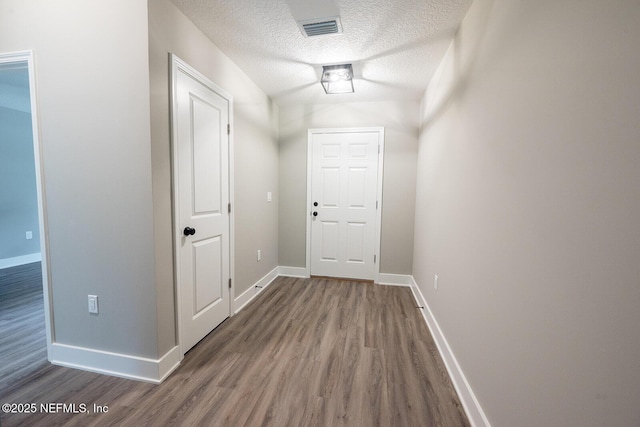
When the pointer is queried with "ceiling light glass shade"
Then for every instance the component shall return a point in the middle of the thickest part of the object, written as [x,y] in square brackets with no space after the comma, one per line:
[337,78]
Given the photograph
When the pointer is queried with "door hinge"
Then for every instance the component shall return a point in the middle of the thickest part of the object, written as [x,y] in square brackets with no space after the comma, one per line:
[229,207]
[378,149]
[374,259]
[376,205]
[228,129]
[229,282]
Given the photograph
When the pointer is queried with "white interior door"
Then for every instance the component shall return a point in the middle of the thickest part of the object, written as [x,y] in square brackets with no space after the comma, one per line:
[201,151]
[344,202]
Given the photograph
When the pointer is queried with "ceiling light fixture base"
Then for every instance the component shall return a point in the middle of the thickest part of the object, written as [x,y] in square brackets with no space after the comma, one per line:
[337,79]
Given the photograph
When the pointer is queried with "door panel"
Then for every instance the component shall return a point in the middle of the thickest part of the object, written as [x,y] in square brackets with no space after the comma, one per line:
[201,173]
[205,121]
[330,151]
[357,188]
[358,151]
[330,187]
[356,242]
[329,240]
[344,180]
[207,266]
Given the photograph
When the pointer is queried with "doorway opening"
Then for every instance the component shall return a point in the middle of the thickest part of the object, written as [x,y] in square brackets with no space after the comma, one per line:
[25,323]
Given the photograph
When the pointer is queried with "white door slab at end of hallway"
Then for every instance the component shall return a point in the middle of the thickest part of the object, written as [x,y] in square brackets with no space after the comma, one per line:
[344,202]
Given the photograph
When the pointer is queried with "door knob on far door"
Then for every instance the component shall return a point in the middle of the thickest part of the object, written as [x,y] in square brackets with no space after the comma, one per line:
[315,203]
[188,231]
[315,214]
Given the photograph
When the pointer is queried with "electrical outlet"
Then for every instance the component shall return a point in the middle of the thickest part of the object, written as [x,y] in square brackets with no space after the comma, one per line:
[435,282]
[93,304]
[29,235]
[259,254]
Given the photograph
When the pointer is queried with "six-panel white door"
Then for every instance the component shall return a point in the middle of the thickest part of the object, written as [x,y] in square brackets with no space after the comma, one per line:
[344,179]
[202,221]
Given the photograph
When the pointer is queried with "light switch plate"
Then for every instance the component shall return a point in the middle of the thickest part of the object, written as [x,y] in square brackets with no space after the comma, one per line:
[93,304]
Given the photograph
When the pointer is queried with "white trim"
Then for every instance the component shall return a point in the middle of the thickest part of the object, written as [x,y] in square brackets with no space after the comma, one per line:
[309,203]
[394,279]
[28,57]
[247,296]
[378,227]
[169,363]
[301,272]
[380,202]
[232,201]
[470,403]
[115,364]
[178,65]
[20,260]
[244,298]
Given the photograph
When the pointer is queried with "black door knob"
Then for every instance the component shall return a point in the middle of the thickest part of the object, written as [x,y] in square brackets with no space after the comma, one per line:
[188,231]
[315,214]
[315,203]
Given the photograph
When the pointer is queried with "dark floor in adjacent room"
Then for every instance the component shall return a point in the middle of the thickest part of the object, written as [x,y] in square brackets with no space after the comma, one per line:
[23,346]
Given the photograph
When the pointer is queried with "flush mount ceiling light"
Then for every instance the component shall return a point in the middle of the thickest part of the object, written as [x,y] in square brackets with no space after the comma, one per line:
[337,78]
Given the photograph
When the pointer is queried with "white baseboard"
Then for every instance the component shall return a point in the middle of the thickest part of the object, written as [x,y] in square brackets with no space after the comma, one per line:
[247,296]
[169,363]
[383,278]
[115,364]
[20,260]
[293,272]
[470,403]
[394,279]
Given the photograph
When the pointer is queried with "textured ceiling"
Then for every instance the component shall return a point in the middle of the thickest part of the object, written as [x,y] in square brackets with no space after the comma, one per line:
[394,45]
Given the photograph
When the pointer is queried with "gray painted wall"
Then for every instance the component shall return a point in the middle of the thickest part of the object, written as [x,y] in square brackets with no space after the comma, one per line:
[18,198]
[528,201]
[91,72]
[400,120]
[256,156]
[108,185]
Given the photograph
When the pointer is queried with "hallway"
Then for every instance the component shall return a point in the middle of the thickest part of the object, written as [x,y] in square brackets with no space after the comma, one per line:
[305,352]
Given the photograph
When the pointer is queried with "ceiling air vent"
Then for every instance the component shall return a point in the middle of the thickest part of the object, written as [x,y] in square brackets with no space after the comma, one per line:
[320,27]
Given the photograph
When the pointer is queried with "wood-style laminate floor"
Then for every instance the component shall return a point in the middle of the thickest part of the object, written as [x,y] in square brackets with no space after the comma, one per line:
[306,352]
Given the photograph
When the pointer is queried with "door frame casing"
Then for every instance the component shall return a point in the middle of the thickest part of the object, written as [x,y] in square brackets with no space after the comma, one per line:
[178,65]
[377,238]
[28,57]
